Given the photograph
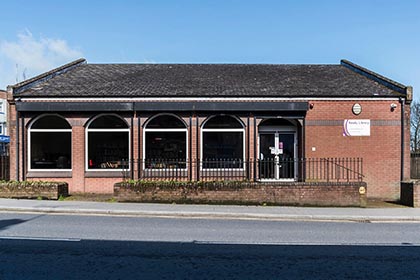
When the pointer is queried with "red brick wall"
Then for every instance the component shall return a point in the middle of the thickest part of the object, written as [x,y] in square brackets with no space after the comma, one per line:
[381,151]
[78,182]
[100,185]
[135,145]
[13,140]
[195,138]
[407,111]
[78,157]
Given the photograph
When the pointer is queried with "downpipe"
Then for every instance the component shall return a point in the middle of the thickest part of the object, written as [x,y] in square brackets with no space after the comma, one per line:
[402,102]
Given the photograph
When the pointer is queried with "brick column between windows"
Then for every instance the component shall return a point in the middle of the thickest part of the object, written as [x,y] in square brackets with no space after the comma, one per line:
[78,157]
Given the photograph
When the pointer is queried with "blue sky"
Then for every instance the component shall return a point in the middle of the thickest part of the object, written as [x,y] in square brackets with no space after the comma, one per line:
[383,36]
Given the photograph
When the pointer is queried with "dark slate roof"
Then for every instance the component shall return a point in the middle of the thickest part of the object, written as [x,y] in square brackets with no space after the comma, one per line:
[207,80]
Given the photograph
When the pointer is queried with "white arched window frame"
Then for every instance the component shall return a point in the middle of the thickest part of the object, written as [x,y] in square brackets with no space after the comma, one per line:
[114,165]
[222,130]
[45,132]
[166,130]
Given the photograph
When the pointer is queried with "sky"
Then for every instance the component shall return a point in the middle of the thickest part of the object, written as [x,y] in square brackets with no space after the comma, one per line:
[383,36]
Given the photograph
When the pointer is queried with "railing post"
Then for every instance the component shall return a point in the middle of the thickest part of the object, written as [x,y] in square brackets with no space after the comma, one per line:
[248,166]
[328,170]
[348,169]
[197,175]
[255,169]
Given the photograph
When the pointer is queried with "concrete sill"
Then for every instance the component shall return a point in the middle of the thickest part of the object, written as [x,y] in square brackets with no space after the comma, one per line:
[49,174]
[104,174]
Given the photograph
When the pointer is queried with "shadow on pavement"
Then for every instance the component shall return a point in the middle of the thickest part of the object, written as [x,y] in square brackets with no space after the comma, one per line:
[93,259]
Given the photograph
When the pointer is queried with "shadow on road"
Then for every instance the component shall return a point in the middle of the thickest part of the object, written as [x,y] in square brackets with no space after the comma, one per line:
[5,224]
[93,259]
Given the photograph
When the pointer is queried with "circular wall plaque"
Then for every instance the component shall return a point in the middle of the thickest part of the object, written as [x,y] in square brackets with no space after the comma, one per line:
[357,109]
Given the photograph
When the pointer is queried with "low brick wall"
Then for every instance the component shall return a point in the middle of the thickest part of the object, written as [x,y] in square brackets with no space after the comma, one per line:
[410,193]
[294,193]
[46,190]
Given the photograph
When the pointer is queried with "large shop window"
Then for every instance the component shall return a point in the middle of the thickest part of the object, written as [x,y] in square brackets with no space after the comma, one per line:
[165,143]
[49,143]
[107,143]
[223,143]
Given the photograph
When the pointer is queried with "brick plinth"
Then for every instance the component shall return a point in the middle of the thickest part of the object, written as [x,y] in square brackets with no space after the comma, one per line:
[302,194]
[48,190]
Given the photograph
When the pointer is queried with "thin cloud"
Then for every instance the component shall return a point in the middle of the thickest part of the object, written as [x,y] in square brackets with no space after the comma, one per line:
[29,56]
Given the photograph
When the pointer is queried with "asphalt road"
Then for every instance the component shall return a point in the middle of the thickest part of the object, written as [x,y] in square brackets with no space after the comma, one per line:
[94,247]
[206,230]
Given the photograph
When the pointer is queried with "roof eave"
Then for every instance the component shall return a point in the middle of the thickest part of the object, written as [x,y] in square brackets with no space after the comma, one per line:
[403,90]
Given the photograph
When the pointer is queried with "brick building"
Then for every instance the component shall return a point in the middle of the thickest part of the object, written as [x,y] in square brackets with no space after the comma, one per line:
[92,124]
[4,131]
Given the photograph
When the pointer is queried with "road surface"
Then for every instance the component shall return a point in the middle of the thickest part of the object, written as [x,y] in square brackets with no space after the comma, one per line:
[99,247]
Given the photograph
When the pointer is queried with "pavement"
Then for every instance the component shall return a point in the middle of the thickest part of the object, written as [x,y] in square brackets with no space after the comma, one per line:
[394,214]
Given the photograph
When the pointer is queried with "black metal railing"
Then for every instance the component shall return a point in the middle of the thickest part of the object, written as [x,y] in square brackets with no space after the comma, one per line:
[222,169]
[276,169]
[332,169]
[304,169]
[162,169]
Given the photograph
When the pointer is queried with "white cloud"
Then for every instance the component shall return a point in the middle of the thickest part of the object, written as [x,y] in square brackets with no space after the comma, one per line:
[32,56]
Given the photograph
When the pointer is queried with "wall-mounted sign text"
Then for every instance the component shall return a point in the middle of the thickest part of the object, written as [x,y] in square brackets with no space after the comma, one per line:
[356,128]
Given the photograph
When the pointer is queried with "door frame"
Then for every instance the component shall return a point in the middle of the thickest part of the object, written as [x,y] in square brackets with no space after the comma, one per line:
[277,130]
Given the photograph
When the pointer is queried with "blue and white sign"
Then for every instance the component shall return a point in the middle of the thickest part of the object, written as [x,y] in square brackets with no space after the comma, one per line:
[356,128]
[4,139]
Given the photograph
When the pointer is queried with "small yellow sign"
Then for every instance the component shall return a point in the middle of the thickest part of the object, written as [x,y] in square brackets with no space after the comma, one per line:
[362,190]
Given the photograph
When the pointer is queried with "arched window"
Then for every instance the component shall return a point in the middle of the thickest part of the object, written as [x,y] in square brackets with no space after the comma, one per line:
[165,142]
[49,142]
[107,142]
[223,143]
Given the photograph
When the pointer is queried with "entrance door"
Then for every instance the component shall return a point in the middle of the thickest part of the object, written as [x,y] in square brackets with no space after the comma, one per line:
[277,155]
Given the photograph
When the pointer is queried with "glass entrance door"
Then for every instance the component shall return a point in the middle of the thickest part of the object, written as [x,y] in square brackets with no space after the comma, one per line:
[277,155]
[266,160]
